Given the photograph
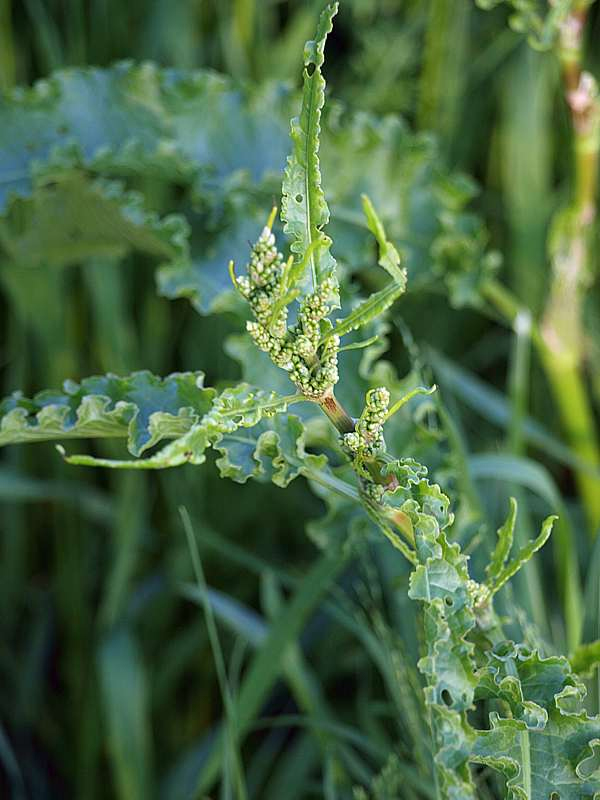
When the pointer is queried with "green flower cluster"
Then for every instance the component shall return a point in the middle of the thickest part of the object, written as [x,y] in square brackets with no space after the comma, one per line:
[307,350]
[366,440]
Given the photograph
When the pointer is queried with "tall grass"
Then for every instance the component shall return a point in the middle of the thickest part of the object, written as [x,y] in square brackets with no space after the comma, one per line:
[148,656]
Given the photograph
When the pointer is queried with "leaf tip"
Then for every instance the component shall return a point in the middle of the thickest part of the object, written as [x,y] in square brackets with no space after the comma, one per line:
[232,275]
[272,216]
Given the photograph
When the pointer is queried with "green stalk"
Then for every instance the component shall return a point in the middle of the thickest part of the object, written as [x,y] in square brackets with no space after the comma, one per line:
[572,399]
[528,580]
[562,330]
[565,546]
[570,395]
[8,65]
[336,413]
[559,337]
[382,514]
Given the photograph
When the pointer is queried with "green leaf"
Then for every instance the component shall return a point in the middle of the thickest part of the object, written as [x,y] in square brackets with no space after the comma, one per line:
[203,278]
[241,406]
[127,713]
[440,582]
[389,258]
[303,206]
[268,662]
[228,143]
[368,310]
[504,544]
[586,658]
[69,218]
[539,737]
[146,410]
[498,580]
[461,256]
[139,119]
[195,129]
[273,450]
[141,407]
[547,747]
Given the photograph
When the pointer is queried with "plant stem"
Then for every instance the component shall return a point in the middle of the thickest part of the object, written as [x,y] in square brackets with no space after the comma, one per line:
[572,399]
[570,394]
[336,413]
[561,329]
[559,337]
[344,423]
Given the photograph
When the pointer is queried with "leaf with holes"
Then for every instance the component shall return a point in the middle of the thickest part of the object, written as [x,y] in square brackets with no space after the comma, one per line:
[303,207]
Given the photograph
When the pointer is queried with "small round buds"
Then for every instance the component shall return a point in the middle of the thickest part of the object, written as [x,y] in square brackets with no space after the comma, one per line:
[367,438]
[310,358]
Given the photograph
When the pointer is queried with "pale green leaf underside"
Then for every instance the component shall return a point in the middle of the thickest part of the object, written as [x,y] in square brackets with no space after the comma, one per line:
[273,450]
[146,410]
[439,581]
[241,406]
[142,408]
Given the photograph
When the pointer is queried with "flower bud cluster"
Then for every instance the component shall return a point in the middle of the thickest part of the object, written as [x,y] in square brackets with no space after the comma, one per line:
[302,349]
[478,592]
[366,439]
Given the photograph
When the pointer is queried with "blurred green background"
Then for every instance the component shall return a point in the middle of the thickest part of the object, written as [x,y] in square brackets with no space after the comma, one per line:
[458,130]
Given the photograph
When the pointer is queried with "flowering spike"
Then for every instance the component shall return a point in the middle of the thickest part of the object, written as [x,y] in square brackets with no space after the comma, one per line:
[302,350]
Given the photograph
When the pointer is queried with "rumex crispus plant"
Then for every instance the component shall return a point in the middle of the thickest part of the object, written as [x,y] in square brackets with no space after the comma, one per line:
[490,701]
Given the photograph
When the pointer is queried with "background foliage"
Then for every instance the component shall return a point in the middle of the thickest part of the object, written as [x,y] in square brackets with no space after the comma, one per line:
[298,678]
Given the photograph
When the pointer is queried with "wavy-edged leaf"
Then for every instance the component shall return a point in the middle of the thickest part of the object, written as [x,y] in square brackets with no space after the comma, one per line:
[526,552]
[303,206]
[422,205]
[203,278]
[139,119]
[241,406]
[141,407]
[503,545]
[273,450]
[389,257]
[440,582]
[202,130]
[547,748]
[198,129]
[539,738]
[69,218]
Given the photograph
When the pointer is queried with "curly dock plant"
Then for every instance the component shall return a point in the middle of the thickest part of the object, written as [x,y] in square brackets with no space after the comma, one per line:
[534,731]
